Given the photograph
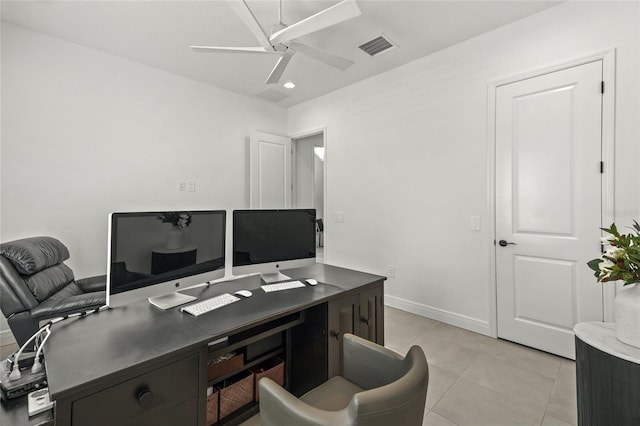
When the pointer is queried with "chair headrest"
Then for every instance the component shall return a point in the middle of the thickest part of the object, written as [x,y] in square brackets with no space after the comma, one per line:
[31,255]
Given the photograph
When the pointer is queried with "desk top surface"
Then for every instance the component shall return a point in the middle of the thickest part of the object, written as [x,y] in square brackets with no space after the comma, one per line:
[83,351]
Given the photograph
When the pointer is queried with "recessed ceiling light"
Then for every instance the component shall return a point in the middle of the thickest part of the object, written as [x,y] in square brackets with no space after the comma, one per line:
[289,85]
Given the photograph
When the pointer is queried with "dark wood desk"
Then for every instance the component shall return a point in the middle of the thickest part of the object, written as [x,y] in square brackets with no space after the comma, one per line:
[138,364]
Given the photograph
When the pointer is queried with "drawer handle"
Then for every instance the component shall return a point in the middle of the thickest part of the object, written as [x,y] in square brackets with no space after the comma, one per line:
[146,398]
[364,320]
[335,334]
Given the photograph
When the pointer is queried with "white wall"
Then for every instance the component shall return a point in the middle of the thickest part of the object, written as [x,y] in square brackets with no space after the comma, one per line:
[86,133]
[407,154]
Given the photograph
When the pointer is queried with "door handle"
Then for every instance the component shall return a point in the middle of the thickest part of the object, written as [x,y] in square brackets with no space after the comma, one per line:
[504,243]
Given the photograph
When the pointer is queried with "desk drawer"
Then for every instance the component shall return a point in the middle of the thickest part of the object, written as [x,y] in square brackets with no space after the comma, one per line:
[171,388]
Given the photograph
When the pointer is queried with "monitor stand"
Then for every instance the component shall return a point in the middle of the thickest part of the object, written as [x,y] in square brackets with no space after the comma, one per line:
[171,300]
[274,277]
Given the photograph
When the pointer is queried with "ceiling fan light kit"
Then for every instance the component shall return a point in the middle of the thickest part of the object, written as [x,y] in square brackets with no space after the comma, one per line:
[284,40]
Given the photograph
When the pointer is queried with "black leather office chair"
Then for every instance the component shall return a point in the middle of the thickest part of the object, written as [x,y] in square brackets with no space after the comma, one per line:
[36,285]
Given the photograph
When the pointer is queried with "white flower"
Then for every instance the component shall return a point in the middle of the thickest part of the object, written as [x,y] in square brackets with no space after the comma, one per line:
[605,268]
[614,252]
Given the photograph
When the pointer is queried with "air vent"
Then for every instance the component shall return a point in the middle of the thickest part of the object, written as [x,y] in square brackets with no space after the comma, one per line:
[272,95]
[377,46]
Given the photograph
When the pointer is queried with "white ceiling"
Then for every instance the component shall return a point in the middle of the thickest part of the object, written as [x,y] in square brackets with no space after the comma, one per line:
[158,33]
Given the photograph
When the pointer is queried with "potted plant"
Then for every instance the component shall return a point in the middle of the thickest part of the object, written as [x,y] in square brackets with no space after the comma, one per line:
[176,237]
[621,262]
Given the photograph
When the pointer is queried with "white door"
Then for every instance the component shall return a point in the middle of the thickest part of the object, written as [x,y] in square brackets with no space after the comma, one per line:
[269,171]
[548,206]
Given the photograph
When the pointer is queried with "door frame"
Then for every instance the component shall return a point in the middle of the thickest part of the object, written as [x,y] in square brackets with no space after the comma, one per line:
[608,156]
[301,135]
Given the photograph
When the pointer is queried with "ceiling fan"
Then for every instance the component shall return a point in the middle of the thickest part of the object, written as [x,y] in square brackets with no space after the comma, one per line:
[283,39]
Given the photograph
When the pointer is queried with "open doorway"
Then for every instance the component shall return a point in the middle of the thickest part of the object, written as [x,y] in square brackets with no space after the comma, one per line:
[308,182]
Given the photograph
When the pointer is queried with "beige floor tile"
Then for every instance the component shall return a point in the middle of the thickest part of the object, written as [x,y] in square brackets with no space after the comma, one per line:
[563,401]
[552,421]
[401,317]
[467,403]
[7,350]
[565,386]
[434,419]
[440,380]
[403,328]
[510,381]
[559,408]
[445,351]
[520,356]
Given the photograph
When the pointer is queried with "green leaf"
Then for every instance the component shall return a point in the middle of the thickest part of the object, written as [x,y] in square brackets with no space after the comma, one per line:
[594,264]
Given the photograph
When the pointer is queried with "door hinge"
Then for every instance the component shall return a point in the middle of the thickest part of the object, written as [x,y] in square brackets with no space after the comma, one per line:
[602,167]
[602,87]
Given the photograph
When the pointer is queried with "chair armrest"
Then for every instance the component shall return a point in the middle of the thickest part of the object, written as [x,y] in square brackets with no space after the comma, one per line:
[278,407]
[92,284]
[362,357]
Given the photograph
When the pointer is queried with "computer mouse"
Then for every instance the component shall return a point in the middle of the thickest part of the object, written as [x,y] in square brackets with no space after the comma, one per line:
[244,293]
[311,281]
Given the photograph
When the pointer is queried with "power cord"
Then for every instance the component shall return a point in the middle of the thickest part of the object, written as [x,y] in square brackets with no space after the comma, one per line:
[46,328]
[37,361]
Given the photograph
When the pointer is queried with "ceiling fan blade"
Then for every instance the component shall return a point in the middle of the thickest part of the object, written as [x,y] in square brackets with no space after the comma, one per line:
[243,11]
[328,58]
[275,75]
[218,49]
[333,15]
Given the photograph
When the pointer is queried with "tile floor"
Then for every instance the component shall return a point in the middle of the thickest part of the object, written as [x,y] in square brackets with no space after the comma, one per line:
[480,381]
[8,349]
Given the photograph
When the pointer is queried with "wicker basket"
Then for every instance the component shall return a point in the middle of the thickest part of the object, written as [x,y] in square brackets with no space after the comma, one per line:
[272,368]
[225,364]
[236,394]
[212,406]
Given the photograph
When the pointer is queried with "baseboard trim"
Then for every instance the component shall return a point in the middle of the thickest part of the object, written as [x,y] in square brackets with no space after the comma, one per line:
[447,317]
[6,338]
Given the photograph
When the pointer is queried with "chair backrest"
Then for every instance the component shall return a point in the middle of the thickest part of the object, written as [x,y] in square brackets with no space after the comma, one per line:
[35,265]
[397,389]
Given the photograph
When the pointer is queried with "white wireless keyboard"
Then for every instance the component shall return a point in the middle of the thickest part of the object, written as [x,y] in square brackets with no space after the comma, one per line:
[209,305]
[282,286]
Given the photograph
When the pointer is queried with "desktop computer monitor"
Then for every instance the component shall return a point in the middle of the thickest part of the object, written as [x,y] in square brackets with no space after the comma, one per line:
[153,254]
[266,241]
